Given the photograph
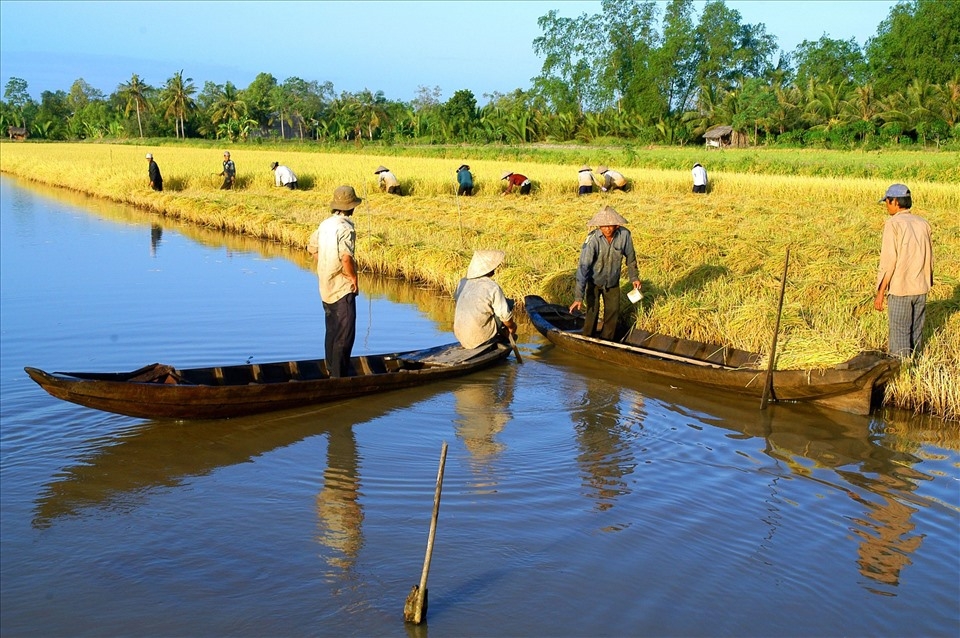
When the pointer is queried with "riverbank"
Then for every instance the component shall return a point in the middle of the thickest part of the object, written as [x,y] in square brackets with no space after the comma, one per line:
[710,264]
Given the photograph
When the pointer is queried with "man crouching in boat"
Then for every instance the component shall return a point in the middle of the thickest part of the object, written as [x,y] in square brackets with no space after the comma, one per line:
[482,307]
[598,274]
[332,244]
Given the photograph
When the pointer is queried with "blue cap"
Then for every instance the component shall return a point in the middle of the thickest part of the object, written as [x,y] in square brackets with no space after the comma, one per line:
[896,190]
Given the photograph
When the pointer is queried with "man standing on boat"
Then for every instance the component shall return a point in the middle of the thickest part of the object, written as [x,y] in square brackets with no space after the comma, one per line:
[333,245]
[598,273]
[906,271]
[482,307]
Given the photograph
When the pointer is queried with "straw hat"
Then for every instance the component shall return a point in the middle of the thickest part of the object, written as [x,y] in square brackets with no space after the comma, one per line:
[483,262]
[584,168]
[345,198]
[603,168]
[273,165]
[381,169]
[607,217]
[506,175]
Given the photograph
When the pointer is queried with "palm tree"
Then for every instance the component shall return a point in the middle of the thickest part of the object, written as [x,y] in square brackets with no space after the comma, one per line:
[228,105]
[178,99]
[135,93]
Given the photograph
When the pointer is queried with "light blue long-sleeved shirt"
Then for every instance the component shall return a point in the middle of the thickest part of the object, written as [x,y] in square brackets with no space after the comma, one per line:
[601,261]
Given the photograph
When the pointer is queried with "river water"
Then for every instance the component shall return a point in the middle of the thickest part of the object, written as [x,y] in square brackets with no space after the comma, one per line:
[578,500]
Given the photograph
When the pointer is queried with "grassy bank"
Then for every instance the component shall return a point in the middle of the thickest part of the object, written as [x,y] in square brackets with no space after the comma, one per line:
[710,265]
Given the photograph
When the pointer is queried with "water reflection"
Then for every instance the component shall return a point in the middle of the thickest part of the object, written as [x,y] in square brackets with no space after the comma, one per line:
[156,234]
[605,438]
[483,411]
[338,504]
[804,441]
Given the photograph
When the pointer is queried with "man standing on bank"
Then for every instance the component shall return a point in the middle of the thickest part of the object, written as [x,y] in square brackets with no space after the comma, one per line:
[229,172]
[333,245]
[906,271]
[283,176]
[598,273]
[153,172]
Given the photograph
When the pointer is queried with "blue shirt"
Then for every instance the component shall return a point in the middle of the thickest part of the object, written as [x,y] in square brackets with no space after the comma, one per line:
[601,261]
[464,178]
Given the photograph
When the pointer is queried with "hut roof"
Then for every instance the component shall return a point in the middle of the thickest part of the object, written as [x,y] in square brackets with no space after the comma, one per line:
[718,131]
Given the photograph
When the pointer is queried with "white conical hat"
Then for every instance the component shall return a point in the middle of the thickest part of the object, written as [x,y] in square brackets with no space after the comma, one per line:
[607,217]
[484,261]
[506,175]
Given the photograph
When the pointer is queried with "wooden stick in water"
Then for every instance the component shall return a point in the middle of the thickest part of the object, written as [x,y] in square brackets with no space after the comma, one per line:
[415,607]
[768,383]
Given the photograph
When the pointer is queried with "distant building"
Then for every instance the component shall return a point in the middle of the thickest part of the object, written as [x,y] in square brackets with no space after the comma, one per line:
[724,136]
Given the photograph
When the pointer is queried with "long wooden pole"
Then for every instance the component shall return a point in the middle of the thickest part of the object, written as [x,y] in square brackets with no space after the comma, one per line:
[416,605]
[768,384]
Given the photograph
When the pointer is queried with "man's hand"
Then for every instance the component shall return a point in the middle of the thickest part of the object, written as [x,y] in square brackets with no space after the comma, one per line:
[878,301]
[576,305]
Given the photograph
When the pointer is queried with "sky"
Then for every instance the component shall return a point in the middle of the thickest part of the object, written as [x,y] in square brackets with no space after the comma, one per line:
[392,46]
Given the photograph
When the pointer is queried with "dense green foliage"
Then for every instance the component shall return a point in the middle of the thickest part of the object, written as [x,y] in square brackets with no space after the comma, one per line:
[639,72]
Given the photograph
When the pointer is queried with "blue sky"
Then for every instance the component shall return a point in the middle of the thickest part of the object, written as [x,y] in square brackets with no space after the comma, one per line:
[393,46]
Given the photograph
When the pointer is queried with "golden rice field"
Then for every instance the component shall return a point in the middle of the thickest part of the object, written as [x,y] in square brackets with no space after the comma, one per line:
[710,265]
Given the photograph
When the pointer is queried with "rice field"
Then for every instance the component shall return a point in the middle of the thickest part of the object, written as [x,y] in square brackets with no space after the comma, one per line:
[710,265]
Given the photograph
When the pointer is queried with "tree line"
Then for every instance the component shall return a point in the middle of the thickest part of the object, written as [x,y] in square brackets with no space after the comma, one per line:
[637,72]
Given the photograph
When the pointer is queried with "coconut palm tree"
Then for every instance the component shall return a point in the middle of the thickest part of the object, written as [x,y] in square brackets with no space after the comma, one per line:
[135,93]
[177,97]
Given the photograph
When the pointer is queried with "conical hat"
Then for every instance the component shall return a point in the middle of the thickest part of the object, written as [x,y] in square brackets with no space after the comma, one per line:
[584,168]
[381,169]
[603,168]
[506,175]
[607,217]
[484,261]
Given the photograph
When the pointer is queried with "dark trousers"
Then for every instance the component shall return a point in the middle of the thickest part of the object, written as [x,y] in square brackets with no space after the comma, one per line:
[292,186]
[341,331]
[611,311]
[585,190]
[157,186]
[465,190]
[700,188]
[227,183]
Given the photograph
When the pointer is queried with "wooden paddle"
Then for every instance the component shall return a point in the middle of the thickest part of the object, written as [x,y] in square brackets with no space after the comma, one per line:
[415,607]
[768,383]
[513,344]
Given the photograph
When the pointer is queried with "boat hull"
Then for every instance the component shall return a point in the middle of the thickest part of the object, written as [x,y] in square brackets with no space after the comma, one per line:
[849,386]
[163,392]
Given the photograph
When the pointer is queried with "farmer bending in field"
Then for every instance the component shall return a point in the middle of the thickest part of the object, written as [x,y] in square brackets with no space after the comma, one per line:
[598,273]
[332,245]
[586,180]
[906,271]
[699,178]
[612,180]
[284,176]
[464,180]
[388,181]
[153,173]
[482,309]
[229,172]
[518,180]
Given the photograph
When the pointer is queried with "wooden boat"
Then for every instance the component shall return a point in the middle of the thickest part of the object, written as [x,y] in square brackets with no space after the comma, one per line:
[161,391]
[848,386]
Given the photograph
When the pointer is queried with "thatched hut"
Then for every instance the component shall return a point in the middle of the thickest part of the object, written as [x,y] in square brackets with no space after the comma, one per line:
[17,132]
[724,136]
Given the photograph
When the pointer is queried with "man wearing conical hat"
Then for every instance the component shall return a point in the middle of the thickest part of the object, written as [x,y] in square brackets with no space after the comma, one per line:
[586,180]
[482,307]
[387,180]
[332,244]
[598,274]
[612,180]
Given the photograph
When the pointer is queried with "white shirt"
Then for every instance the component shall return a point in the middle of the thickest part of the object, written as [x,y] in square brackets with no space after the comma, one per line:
[334,238]
[480,304]
[284,175]
[699,176]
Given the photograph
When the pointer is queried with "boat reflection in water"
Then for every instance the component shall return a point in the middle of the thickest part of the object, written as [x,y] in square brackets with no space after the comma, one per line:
[483,410]
[875,475]
[118,473]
